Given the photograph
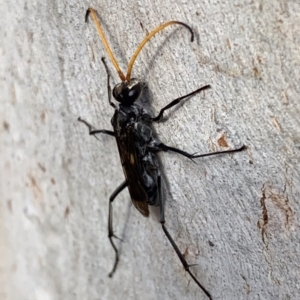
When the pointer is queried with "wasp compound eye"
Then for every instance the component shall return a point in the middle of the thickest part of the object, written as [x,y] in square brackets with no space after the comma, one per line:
[128,92]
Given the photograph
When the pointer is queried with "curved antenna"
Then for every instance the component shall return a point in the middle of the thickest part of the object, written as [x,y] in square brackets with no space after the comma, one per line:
[148,37]
[104,41]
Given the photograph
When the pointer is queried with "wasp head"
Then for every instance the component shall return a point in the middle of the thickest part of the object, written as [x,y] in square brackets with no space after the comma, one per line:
[127,92]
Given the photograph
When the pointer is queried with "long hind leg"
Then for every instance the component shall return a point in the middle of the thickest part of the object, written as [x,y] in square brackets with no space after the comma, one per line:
[175,247]
[111,235]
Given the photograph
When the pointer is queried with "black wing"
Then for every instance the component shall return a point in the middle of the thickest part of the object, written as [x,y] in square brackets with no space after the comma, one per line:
[133,170]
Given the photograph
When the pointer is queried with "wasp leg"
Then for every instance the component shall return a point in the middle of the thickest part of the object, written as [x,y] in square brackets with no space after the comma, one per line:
[179,254]
[108,83]
[166,148]
[93,131]
[176,101]
[110,224]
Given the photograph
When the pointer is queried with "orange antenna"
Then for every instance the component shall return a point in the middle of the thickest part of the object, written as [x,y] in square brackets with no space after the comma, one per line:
[148,37]
[104,41]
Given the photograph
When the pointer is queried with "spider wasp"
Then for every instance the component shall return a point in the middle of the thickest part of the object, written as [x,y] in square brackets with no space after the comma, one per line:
[137,143]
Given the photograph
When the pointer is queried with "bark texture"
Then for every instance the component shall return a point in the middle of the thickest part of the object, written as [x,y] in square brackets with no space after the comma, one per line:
[235,216]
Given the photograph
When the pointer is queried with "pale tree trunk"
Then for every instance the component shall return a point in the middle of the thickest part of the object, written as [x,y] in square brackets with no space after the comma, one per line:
[235,216]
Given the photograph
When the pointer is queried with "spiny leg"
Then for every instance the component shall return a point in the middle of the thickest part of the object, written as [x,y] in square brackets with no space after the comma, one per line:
[221,152]
[108,83]
[166,148]
[93,131]
[110,224]
[176,101]
[179,254]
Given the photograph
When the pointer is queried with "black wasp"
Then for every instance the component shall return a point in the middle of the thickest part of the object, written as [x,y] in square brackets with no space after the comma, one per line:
[137,144]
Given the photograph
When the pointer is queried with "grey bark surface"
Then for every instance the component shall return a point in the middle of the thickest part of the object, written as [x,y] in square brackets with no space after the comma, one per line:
[235,216]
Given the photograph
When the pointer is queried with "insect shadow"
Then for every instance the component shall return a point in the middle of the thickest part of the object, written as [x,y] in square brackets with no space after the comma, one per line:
[138,144]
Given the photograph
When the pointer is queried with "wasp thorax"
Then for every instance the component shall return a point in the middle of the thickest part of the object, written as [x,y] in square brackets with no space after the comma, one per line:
[128,92]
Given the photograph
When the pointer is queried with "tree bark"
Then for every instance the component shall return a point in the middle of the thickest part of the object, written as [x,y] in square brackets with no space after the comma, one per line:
[235,216]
